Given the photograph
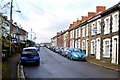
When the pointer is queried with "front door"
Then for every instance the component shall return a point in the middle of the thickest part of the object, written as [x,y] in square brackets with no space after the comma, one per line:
[87,47]
[98,48]
[115,50]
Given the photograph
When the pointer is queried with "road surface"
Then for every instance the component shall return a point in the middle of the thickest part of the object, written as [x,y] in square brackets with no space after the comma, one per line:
[54,65]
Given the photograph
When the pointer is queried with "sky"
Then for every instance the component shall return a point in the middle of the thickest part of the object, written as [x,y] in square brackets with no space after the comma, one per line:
[47,17]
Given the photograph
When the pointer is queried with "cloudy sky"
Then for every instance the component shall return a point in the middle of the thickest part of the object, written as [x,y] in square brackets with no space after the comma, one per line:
[46,17]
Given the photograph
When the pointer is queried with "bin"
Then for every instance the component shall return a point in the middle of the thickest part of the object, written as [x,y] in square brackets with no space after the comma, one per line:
[4,54]
[84,51]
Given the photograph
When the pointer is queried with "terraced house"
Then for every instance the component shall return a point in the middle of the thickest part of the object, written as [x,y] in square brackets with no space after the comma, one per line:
[18,36]
[97,33]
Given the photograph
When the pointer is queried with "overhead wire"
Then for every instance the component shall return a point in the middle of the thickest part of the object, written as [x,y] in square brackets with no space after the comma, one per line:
[46,11]
[4,6]
[21,13]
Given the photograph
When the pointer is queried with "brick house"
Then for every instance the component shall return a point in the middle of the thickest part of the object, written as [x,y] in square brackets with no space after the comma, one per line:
[18,33]
[98,34]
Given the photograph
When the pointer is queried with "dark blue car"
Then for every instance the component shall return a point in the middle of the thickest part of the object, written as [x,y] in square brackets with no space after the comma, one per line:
[76,54]
[30,55]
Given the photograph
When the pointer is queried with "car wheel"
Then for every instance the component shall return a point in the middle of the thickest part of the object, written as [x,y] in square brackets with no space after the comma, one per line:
[71,57]
[21,63]
[38,63]
[67,57]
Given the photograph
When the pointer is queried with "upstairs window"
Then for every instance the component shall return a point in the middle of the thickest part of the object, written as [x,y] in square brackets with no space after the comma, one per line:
[83,31]
[107,25]
[98,26]
[72,34]
[87,29]
[79,32]
[93,28]
[115,22]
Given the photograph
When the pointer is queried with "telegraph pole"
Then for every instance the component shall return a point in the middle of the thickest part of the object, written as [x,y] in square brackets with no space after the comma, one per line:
[11,6]
[31,34]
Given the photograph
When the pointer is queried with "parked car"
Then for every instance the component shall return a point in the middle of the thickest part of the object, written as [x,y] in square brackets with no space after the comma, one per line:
[37,47]
[53,48]
[60,50]
[57,48]
[76,54]
[30,55]
[65,51]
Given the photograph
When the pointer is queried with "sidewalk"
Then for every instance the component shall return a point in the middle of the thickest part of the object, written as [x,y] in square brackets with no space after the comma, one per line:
[9,67]
[104,64]
[0,70]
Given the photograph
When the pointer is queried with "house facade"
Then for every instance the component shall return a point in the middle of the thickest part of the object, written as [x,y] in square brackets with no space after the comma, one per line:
[4,28]
[98,34]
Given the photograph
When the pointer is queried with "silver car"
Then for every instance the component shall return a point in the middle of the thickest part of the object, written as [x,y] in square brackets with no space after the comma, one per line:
[65,52]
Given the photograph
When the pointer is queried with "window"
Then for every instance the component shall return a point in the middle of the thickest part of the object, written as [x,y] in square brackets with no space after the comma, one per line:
[106,48]
[79,31]
[76,44]
[115,22]
[93,28]
[83,44]
[98,26]
[87,30]
[79,43]
[75,33]
[107,25]
[93,47]
[83,31]
[70,34]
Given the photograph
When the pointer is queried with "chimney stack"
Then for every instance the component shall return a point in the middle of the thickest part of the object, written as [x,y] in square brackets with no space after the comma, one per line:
[58,33]
[100,9]
[5,17]
[84,18]
[71,26]
[91,14]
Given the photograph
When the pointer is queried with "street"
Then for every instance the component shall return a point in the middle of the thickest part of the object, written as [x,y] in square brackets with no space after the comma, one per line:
[54,65]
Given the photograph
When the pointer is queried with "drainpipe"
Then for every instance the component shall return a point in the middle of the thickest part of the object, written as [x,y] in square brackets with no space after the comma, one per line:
[119,35]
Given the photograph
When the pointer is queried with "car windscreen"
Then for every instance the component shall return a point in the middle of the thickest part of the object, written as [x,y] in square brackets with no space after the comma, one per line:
[77,50]
[29,53]
[30,50]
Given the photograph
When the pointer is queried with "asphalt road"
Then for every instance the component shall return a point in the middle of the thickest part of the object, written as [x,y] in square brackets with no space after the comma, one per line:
[54,65]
